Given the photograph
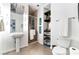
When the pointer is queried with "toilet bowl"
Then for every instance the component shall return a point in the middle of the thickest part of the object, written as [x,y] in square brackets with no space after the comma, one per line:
[61,48]
[59,51]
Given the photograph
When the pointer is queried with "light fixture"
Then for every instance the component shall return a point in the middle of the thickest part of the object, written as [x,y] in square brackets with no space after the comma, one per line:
[38,5]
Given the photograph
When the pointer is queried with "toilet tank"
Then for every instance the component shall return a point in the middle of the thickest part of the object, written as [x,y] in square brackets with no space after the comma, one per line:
[64,42]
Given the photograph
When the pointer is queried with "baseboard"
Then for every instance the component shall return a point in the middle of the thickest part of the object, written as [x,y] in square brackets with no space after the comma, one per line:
[40,43]
[8,51]
[12,50]
[33,42]
[24,46]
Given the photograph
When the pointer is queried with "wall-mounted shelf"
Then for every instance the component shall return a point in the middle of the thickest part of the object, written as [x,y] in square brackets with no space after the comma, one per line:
[47,13]
[47,20]
[46,29]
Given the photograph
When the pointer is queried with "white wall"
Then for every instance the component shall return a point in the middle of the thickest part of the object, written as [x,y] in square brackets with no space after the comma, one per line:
[18,21]
[6,42]
[40,15]
[62,12]
[25,25]
[5,13]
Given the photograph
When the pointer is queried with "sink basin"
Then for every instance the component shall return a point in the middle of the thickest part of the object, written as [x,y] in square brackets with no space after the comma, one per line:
[17,34]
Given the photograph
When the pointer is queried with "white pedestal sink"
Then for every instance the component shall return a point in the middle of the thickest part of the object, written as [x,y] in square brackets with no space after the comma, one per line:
[17,36]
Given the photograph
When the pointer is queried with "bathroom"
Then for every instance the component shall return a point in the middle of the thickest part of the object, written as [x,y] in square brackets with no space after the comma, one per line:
[13,23]
[60,13]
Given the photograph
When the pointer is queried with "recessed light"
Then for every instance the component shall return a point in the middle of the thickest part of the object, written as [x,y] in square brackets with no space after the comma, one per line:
[37,5]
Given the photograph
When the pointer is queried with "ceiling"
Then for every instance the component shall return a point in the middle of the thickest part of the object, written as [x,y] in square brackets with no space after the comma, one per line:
[47,8]
[17,8]
[33,7]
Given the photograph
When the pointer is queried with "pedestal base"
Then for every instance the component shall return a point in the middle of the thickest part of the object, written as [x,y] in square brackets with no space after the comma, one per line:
[17,45]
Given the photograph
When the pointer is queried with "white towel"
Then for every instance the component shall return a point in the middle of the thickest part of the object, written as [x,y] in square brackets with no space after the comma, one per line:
[65,27]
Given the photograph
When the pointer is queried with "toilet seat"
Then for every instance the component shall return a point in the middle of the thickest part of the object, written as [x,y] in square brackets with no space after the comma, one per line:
[59,51]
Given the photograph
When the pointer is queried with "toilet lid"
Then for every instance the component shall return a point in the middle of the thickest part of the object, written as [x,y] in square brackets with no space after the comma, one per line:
[59,50]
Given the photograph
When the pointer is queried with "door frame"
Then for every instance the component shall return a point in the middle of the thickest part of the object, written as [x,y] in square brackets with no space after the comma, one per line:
[29,29]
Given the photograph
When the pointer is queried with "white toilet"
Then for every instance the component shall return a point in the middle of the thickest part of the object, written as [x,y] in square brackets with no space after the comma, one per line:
[63,44]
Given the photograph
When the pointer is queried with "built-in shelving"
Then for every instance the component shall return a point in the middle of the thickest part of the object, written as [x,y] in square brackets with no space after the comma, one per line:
[47,30]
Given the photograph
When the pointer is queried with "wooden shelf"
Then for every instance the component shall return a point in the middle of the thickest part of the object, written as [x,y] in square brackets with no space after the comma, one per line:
[47,20]
[47,13]
[46,30]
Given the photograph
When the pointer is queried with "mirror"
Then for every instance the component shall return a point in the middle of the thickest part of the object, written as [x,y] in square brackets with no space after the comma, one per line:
[1,24]
[16,21]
